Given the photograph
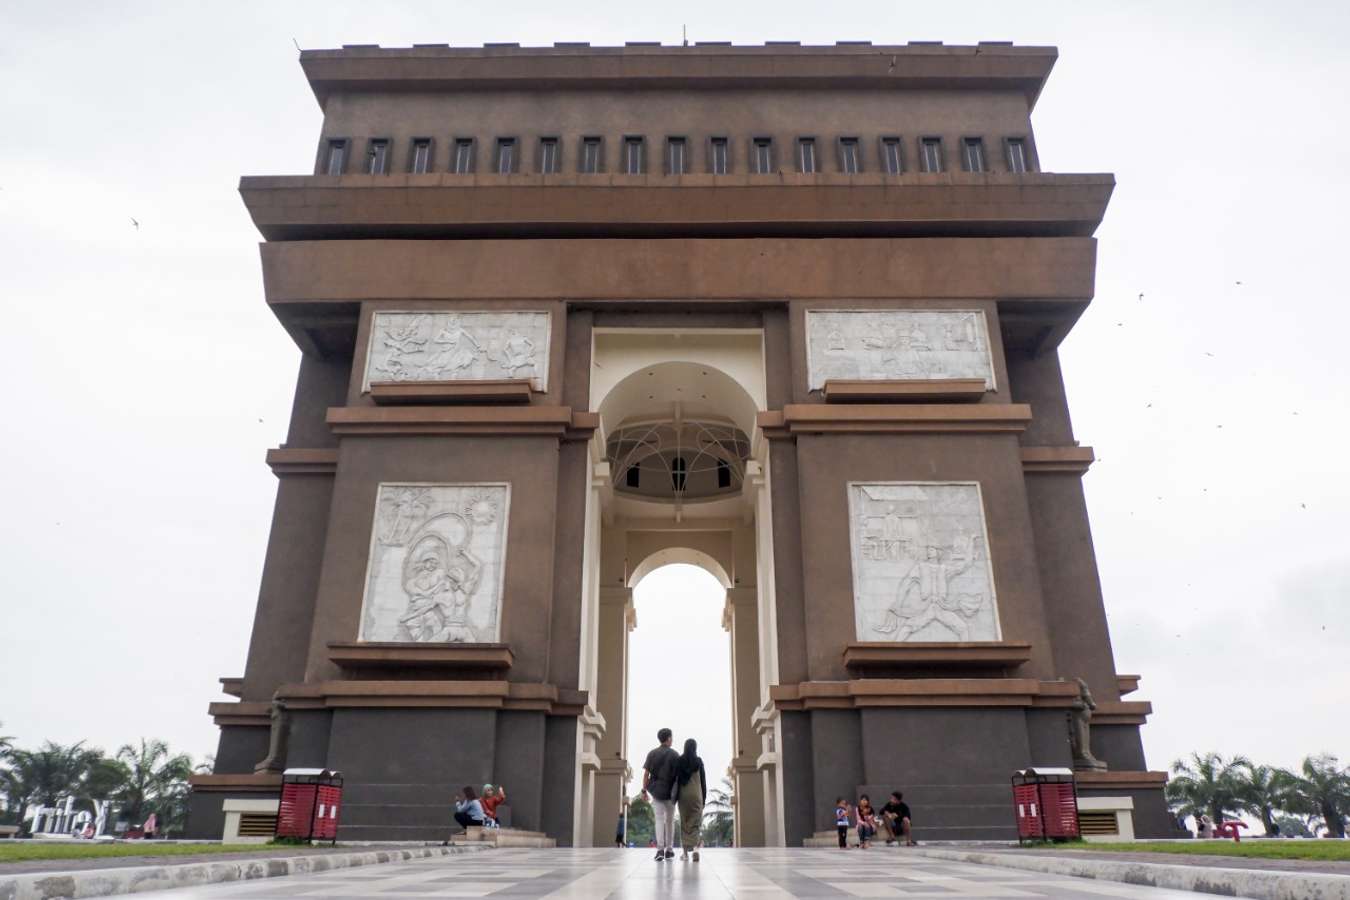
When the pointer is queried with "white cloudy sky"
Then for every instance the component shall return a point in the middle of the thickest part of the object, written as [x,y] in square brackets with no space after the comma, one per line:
[146,378]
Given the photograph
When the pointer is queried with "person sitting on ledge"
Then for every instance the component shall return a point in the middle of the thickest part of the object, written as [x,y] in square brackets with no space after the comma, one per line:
[492,798]
[895,819]
[468,809]
[867,821]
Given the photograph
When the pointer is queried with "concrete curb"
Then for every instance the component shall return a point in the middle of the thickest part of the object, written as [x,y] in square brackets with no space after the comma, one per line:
[1263,884]
[137,879]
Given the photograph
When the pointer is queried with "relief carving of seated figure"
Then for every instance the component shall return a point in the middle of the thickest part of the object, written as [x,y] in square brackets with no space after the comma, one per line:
[925,594]
[439,582]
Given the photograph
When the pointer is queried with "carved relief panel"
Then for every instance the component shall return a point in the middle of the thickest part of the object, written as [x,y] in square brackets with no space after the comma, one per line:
[437,559]
[921,569]
[457,346]
[897,345]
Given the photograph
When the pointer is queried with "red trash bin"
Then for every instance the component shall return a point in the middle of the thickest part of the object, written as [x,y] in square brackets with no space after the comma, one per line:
[310,802]
[1045,802]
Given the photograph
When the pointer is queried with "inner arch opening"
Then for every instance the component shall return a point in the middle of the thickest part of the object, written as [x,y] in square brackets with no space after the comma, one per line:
[680,666]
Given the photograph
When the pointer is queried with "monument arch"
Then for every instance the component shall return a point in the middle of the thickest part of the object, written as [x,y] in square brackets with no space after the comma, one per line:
[521,390]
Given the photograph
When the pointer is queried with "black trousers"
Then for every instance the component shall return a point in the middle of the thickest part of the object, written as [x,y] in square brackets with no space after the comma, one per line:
[843,835]
[467,821]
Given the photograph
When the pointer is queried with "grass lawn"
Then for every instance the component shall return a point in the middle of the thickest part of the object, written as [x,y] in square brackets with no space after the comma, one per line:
[1275,849]
[22,852]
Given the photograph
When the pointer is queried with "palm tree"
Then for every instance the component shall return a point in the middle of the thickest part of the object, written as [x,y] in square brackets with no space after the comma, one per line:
[153,776]
[1206,785]
[719,817]
[7,807]
[102,782]
[1261,790]
[1292,826]
[1322,788]
[48,775]
[641,822]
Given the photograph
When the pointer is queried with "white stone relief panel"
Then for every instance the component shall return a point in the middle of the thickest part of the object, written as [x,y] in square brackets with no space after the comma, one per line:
[921,568]
[437,560]
[458,346]
[897,345]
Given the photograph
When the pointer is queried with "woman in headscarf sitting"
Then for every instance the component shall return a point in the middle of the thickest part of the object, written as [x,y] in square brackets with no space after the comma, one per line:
[692,791]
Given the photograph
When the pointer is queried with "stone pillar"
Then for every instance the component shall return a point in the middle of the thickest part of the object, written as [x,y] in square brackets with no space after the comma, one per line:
[764,718]
[741,619]
[616,620]
[593,724]
[589,737]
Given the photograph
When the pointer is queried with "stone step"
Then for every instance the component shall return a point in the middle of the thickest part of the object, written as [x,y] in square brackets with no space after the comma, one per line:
[953,812]
[506,837]
[925,834]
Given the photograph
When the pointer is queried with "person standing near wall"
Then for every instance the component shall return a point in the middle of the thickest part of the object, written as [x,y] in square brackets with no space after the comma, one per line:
[658,786]
[691,791]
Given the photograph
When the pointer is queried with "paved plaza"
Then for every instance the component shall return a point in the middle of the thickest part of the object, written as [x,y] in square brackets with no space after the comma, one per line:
[622,874]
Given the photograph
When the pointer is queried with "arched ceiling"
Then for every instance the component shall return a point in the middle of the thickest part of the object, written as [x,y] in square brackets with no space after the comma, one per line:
[693,390]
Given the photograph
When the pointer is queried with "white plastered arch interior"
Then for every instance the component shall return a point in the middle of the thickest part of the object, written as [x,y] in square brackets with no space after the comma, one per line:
[715,373]
[686,555]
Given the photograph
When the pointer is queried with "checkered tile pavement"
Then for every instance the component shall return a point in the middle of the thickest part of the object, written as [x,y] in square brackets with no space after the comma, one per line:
[622,874]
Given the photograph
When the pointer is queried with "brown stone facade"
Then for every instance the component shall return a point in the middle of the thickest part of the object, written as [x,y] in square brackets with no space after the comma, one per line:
[674,274]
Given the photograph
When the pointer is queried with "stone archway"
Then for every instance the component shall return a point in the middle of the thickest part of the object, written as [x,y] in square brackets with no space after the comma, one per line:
[680,554]
[678,476]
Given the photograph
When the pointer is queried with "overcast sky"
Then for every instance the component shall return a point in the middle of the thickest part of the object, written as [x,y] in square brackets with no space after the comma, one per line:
[146,378]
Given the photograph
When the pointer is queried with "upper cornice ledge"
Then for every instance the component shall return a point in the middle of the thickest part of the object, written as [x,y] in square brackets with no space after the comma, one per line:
[316,207]
[437,67]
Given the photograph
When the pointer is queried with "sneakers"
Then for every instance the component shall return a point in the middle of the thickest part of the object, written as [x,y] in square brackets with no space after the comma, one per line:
[695,856]
[660,855]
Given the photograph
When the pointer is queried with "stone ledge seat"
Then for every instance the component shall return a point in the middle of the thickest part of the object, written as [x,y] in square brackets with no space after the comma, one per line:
[505,837]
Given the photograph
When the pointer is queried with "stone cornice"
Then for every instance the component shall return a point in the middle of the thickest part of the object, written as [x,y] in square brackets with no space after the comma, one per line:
[302,461]
[949,692]
[241,713]
[783,66]
[1120,780]
[236,784]
[449,659]
[1070,460]
[493,694]
[862,418]
[884,659]
[309,207]
[940,692]
[558,421]
[1122,712]
[412,393]
[942,390]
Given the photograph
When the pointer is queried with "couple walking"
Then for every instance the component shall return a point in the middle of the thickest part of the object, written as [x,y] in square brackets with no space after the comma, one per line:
[669,778]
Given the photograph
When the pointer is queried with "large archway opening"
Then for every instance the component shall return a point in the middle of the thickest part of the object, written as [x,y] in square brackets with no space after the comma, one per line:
[679,673]
[678,573]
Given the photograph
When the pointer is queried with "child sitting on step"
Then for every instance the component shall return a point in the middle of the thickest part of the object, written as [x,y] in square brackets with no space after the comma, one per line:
[492,798]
